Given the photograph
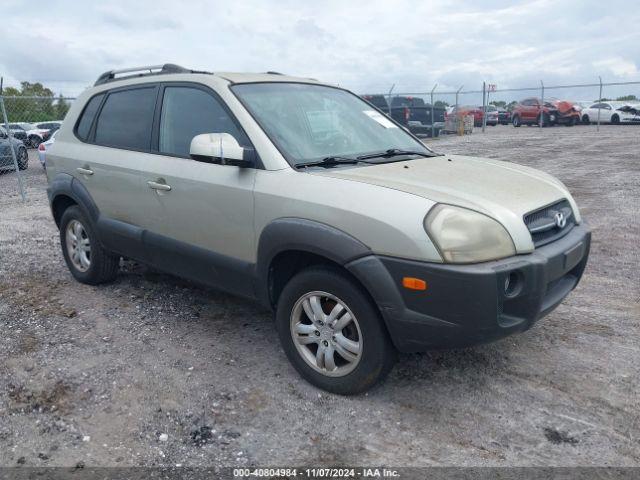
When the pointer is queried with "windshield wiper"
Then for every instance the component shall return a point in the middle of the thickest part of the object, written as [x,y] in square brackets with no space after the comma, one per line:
[395,152]
[330,161]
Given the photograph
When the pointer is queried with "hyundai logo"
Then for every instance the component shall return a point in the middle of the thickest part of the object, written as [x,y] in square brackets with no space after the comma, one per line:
[559,220]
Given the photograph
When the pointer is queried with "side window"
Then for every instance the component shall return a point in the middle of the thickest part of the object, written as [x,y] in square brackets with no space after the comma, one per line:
[187,112]
[86,119]
[126,119]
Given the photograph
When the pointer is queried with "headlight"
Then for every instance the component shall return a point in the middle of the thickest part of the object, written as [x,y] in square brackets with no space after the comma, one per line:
[465,236]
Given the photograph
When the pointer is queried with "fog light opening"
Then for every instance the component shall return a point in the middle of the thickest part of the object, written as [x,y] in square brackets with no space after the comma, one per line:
[511,284]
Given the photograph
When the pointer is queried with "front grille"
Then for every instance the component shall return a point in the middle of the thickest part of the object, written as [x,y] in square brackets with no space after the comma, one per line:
[544,224]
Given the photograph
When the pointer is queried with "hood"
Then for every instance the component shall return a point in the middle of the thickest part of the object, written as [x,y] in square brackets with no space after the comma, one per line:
[562,105]
[502,190]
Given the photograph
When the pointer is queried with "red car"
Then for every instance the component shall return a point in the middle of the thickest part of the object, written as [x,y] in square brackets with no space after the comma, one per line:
[531,111]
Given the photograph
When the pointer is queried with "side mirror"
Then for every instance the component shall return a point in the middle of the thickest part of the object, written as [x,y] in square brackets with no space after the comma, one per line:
[221,148]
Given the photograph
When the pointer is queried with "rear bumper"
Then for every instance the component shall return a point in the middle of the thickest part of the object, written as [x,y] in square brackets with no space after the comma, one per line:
[467,304]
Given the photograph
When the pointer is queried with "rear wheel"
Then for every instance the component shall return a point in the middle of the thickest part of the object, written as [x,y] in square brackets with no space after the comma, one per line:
[516,121]
[88,262]
[23,158]
[615,119]
[332,333]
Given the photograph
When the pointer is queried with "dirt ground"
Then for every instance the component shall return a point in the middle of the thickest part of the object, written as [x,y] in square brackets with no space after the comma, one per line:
[151,370]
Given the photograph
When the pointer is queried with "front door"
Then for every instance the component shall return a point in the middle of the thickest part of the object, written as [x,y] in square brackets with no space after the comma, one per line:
[199,216]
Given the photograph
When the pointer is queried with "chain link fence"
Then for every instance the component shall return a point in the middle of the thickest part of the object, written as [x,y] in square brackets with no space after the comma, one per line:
[25,123]
[581,95]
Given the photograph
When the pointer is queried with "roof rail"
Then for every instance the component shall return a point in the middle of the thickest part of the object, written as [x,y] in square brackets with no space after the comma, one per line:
[110,76]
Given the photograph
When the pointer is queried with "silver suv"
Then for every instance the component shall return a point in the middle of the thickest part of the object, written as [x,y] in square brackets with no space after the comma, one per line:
[307,198]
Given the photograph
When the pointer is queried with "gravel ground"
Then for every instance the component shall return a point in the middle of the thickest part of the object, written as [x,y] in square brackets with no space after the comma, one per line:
[151,370]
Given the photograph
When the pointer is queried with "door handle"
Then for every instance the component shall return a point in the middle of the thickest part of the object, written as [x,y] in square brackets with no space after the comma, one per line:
[159,186]
[84,171]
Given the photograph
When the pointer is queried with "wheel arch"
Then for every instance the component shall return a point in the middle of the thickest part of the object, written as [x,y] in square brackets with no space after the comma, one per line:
[287,245]
[64,191]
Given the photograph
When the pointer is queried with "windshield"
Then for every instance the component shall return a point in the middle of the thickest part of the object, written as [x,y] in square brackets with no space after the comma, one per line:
[311,122]
[28,126]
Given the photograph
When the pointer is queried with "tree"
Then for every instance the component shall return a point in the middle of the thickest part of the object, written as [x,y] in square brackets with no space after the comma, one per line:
[511,105]
[33,102]
[440,104]
[627,98]
[498,103]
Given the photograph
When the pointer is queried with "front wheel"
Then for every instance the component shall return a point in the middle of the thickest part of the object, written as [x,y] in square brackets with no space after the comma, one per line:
[615,119]
[544,118]
[516,121]
[585,119]
[332,333]
[35,141]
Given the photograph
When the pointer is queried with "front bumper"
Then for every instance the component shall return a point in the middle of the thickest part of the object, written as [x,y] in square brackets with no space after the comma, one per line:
[467,304]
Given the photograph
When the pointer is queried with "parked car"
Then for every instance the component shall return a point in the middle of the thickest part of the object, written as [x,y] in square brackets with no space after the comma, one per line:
[42,149]
[35,135]
[531,111]
[464,110]
[17,132]
[504,116]
[492,115]
[378,101]
[414,114]
[296,193]
[631,113]
[611,112]
[51,126]
[6,157]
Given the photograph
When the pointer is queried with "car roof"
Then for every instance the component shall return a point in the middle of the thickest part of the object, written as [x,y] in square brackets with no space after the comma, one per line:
[237,77]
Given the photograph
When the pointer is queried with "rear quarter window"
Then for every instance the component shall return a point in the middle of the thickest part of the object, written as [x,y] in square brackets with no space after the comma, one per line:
[86,118]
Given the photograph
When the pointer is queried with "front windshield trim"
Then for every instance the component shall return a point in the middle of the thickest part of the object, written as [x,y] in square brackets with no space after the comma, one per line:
[291,161]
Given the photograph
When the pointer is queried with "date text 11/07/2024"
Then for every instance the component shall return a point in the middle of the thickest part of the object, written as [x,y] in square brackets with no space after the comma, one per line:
[335,473]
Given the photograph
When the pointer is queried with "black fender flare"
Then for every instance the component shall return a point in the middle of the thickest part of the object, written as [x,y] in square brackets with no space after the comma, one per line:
[64,184]
[299,234]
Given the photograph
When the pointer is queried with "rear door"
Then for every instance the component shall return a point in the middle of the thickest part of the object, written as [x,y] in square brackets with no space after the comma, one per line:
[200,219]
[116,128]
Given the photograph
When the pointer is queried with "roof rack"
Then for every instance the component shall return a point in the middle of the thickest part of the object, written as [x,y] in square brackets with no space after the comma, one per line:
[110,76]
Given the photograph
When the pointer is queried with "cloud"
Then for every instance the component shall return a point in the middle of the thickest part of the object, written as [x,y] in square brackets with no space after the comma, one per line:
[364,45]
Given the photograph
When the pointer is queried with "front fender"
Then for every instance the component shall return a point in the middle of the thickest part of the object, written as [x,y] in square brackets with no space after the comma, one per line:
[298,234]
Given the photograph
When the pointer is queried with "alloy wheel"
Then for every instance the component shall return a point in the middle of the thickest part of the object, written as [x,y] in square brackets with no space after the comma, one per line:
[326,333]
[78,245]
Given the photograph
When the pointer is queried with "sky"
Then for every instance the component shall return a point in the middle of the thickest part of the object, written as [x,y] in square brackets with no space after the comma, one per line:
[366,46]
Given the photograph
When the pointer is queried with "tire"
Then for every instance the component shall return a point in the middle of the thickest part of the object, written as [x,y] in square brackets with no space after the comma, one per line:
[23,158]
[545,120]
[615,119]
[365,334]
[585,119]
[571,122]
[516,121]
[35,141]
[96,265]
